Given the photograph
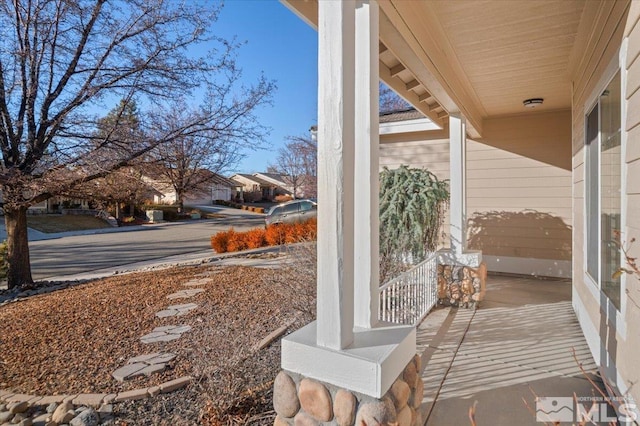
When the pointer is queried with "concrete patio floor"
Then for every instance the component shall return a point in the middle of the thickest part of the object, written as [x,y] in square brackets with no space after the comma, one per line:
[519,342]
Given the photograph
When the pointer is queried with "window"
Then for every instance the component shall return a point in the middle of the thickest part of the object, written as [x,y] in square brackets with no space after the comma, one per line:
[305,206]
[291,208]
[603,189]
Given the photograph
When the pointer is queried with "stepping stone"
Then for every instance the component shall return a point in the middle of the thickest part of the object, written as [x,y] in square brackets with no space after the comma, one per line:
[176,310]
[210,273]
[195,283]
[185,293]
[143,365]
[154,358]
[165,334]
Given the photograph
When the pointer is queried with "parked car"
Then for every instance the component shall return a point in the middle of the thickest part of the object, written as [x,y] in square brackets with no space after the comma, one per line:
[291,211]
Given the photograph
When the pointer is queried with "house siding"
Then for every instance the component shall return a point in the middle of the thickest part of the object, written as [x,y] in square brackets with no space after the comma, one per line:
[628,359]
[613,336]
[519,209]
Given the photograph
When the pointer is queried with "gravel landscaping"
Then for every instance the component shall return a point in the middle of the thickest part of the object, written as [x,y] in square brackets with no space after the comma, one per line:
[71,340]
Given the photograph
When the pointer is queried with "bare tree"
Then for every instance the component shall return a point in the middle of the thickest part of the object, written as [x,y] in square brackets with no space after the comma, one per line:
[297,161]
[390,101]
[60,60]
[125,185]
[187,164]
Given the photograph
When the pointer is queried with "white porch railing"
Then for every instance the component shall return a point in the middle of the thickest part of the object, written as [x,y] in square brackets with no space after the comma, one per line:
[408,298]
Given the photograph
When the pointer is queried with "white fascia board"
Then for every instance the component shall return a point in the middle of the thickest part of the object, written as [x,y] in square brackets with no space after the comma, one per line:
[407,126]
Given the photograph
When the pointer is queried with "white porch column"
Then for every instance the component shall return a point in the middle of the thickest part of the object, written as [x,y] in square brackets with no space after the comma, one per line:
[368,359]
[336,154]
[457,182]
[367,187]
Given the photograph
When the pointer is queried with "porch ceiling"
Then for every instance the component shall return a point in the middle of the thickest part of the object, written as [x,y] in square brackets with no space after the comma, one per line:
[505,52]
[482,58]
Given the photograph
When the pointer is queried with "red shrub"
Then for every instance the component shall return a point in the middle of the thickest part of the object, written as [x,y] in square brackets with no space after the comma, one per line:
[220,241]
[274,235]
[236,242]
[310,230]
[255,238]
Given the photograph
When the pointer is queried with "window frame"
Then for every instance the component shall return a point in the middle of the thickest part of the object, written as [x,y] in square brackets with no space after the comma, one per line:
[614,315]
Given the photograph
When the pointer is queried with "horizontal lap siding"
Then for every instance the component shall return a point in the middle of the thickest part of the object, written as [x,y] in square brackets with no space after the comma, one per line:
[588,81]
[517,207]
[628,349]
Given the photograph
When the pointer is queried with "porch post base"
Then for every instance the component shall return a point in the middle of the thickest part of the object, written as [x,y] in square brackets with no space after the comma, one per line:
[470,258]
[369,366]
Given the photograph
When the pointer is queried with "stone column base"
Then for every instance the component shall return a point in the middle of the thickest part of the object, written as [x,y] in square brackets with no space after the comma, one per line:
[461,278]
[298,400]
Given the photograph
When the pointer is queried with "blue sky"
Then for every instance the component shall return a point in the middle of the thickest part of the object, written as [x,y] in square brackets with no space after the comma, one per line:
[284,48]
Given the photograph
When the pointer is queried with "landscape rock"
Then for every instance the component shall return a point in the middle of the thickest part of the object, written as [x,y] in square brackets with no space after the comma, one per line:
[61,414]
[285,398]
[18,407]
[344,408]
[52,407]
[26,422]
[315,400]
[40,420]
[88,417]
[18,418]
[5,417]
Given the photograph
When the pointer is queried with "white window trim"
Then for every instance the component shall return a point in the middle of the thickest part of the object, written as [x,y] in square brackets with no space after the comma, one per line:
[618,63]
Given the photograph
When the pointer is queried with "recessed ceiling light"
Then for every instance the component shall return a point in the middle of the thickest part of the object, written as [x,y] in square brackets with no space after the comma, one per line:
[533,102]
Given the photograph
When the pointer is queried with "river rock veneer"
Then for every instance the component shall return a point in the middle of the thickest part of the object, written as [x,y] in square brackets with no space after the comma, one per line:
[302,401]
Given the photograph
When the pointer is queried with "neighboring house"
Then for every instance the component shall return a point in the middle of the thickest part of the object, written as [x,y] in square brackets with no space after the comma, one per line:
[545,91]
[305,187]
[260,186]
[277,179]
[55,204]
[518,208]
[214,187]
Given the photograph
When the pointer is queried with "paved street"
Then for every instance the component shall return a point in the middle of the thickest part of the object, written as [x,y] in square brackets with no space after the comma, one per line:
[65,255]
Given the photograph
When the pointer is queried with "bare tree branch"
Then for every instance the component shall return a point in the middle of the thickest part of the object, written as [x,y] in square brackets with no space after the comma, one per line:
[60,60]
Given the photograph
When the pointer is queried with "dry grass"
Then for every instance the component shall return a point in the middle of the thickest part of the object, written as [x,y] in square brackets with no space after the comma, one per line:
[63,223]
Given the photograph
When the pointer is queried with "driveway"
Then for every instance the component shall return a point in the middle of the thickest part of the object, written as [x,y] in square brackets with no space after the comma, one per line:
[55,255]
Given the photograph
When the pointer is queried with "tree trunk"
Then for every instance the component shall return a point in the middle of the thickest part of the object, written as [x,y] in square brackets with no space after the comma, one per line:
[19,272]
[180,200]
